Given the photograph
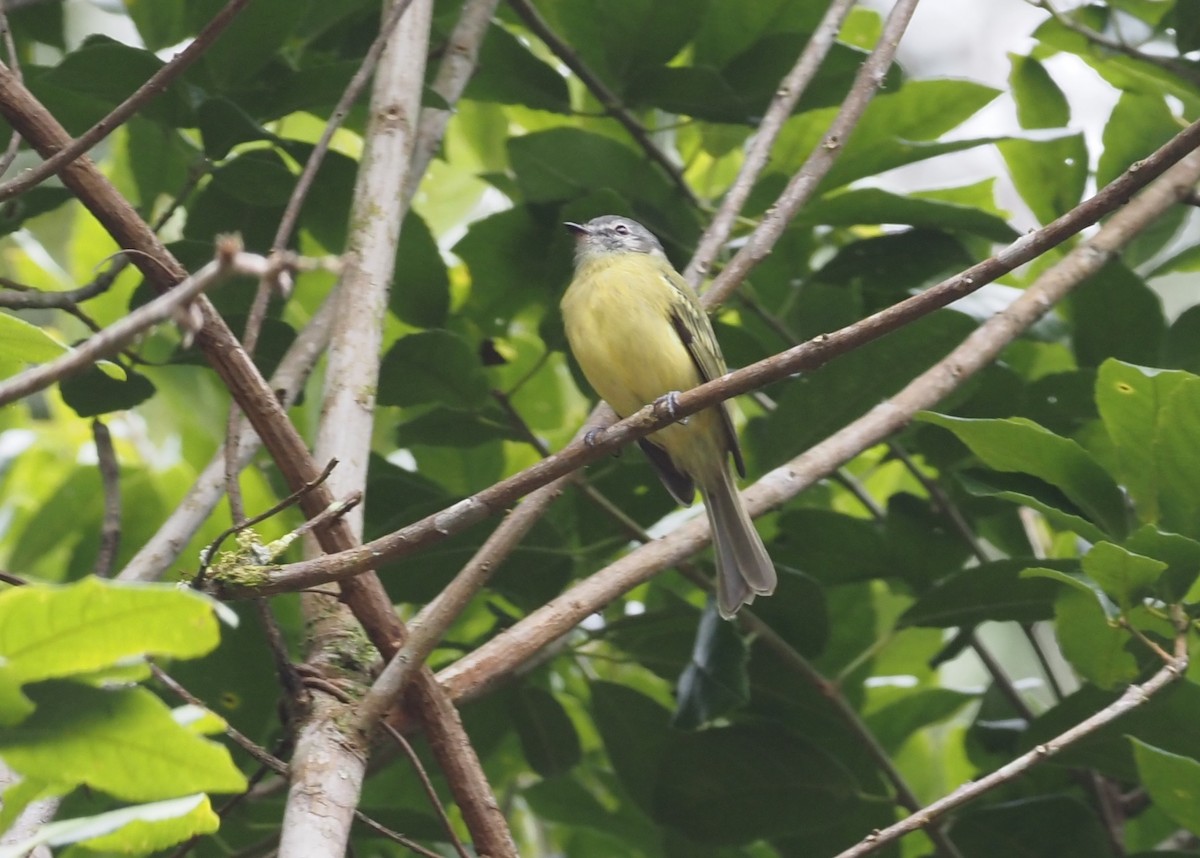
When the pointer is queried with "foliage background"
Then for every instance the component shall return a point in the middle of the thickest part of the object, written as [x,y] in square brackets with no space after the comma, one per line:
[651,729]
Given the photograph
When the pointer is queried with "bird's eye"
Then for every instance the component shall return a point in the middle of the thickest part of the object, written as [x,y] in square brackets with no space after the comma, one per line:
[621,229]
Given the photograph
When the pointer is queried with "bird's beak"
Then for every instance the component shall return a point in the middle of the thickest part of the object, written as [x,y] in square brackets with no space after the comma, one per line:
[577,228]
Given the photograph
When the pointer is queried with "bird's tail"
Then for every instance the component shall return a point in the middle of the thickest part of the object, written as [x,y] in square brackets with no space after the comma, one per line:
[744,570]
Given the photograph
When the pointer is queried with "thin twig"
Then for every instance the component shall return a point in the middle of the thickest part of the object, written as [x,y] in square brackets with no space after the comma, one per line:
[804,183]
[758,151]
[154,85]
[116,336]
[110,479]
[10,49]
[395,836]
[1170,64]
[207,555]
[1134,696]
[609,99]
[291,212]
[427,785]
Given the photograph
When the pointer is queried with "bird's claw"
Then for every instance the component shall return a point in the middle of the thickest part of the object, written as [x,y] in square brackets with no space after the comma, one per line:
[592,436]
[670,401]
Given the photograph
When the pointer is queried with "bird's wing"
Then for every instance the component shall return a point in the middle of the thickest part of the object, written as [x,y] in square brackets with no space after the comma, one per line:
[694,329]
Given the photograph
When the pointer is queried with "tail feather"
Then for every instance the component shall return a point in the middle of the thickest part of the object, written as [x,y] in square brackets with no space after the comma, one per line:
[744,569]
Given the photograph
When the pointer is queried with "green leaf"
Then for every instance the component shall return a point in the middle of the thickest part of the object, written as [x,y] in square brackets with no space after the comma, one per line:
[420,292]
[714,683]
[872,205]
[617,38]
[432,366]
[1022,446]
[51,632]
[1138,125]
[249,43]
[160,25]
[1179,553]
[548,737]
[35,201]
[1122,574]
[1050,175]
[509,265]
[139,830]
[898,128]
[635,731]
[1056,825]
[93,392]
[894,723]
[509,74]
[1027,491]
[1040,103]
[445,427]
[1093,645]
[1135,334]
[731,27]
[1173,782]
[1145,412]
[831,547]
[564,163]
[731,785]
[1183,340]
[994,591]
[124,742]
[816,404]
[224,124]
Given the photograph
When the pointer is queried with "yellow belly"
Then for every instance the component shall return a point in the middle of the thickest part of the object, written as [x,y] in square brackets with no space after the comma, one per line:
[617,316]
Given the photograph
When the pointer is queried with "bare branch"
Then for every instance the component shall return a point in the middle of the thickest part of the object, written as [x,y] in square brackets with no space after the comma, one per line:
[802,185]
[1134,696]
[430,792]
[787,94]
[116,336]
[10,50]
[157,82]
[110,478]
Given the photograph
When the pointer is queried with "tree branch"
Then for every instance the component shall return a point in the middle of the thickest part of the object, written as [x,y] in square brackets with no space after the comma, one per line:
[802,185]
[68,151]
[516,644]
[787,94]
[805,356]
[609,99]
[1134,696]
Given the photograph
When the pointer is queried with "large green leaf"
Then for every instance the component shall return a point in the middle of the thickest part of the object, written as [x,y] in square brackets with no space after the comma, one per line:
[1047,825]
[52,632]
[1139,124]
[872,205]
[1149,416]
[993,591]
[816,404]
[420,292]
[737,784]
[1135,334]
[714,683]
[547,735]
[137,830]
[1040,102]
[509,74]
[1095,647]
[635,731]
[1023,446]
[432,366]
[1050,175]
[123,741]
[1121,573]
[1173,782]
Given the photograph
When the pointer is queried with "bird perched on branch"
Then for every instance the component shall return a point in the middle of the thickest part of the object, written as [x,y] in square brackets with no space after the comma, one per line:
[639,333]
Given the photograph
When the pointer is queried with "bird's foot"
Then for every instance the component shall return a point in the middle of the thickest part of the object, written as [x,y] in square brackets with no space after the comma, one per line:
[670,402]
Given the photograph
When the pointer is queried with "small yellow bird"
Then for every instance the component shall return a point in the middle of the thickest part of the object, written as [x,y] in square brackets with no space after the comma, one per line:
[639,333]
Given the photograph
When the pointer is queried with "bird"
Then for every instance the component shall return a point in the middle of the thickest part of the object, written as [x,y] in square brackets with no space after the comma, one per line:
[639,333]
